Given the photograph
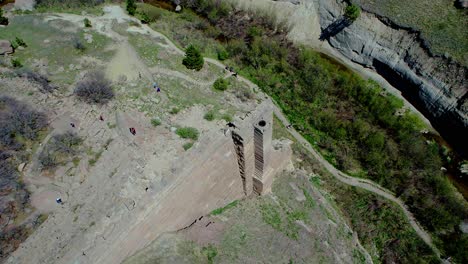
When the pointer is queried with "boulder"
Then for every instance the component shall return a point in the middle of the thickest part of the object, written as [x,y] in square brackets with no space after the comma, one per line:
[5,47]
[178,8]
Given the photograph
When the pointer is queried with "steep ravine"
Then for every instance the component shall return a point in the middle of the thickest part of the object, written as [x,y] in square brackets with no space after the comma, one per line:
[436,85]
[396,57]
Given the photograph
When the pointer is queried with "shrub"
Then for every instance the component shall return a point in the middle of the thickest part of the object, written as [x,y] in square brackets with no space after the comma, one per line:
[9,178]
[221,84]
[16,63]
[209,116]
[77,44]
[193,59]
[352,12]
[187,132]
[210,252]
[3,20]
[227,117]
[58,149]
[18,120]
[47,159]
[150,15]
[223,55]
[14,45]
[131,7]
[65,143]
[174,110]
[95,88]
[155,122]
[144,18]
[20,42]
[42,80]
[187,145]
[87,22]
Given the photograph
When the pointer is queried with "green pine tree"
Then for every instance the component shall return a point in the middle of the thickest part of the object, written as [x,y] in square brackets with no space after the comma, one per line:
[193,58]
[131,7]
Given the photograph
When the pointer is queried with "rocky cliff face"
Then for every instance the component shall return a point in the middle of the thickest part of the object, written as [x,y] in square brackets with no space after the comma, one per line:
[436,85]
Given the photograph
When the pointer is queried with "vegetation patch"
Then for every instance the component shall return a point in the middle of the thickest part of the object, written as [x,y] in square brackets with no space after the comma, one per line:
[209,116]
[188,133]
[155,122]
[95,88]
[221,84]
[227,207]
[210,252]
[59,150]
[187,145]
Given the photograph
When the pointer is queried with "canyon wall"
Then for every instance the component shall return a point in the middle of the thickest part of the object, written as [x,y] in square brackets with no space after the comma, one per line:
[435,85]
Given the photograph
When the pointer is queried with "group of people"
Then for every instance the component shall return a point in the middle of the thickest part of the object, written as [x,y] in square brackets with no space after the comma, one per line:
[101,118]
[231,70]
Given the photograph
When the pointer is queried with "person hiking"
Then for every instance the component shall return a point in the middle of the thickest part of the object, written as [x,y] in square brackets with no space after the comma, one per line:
[132,130]
[158,90]
[59,200]
[101,118]
[72,125]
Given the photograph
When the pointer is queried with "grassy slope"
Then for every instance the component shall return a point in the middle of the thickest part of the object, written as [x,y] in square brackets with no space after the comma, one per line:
[47,40]
[441,24]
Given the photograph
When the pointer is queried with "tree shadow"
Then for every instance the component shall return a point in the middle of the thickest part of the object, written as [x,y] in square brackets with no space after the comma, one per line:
[334,28]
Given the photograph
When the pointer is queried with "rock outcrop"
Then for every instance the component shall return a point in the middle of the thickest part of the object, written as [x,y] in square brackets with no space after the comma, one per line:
[435,84]
[5,47]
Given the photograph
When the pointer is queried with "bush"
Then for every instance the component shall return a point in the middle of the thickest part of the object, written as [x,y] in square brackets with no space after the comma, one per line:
[227,117]
[65,143]
[16,63]
[77,44]
[352,12]
[155,122]
[188,132]
[20,42]
[3,20]
[58,149]
[209,116]
[174,110]
[193,59]
[47,160]
[95,88]
[131,7]
[221,84]
[188,145]
[42,80]
[87,22]
[223,55]
[150,15]
[18,120]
